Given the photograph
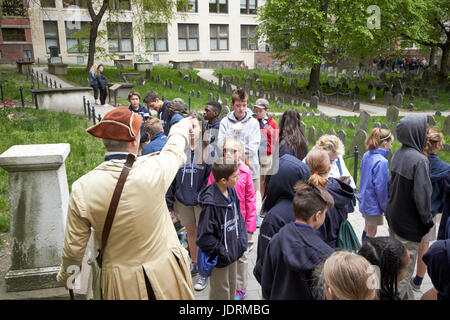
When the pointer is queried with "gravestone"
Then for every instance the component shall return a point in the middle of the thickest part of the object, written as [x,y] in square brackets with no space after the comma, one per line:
[446,127]
[312,114]
[397,87]
[303,128]
[39,198]
[180,89]
[438,113]
[363,122]
[373,95]
[225,111]
[376,125]
[319,133]
[311,134]
[314,102]
[446,147]
[356,106]
[392,114]
[199,94]
[351,125]
[387,98]
[342,136]
[338,119]
[210,96]
[225,101]
[359,140]
[331,132]
[304,113]
[171,84]
[398,100]
[431,121]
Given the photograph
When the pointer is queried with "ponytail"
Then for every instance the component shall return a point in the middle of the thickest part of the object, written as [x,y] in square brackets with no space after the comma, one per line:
[319,164]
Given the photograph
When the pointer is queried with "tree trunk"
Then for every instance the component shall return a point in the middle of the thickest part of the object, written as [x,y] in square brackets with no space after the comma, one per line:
[92,39]
[314,78]
[432,55]
[96,19]
[444,59]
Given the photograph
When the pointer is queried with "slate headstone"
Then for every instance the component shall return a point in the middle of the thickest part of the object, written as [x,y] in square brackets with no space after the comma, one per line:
[359,140]
[311,135]
[398,100]
[363,122]
[392,114]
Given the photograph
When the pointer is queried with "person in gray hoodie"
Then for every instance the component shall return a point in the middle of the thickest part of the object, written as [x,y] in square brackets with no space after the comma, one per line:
[408,211]
[240,123]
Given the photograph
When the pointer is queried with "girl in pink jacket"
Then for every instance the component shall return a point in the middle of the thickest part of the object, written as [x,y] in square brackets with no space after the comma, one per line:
[234,149]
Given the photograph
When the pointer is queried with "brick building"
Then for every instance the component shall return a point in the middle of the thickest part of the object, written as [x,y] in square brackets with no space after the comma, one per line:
[15,35]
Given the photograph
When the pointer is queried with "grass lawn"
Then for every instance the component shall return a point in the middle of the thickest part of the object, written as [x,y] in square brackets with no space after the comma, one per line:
[11,82]
[79,76]
[349,162]
[442,103]
[32,126]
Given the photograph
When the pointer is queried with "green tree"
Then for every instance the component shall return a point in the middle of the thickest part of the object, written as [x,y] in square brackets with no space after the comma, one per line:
[149,10]
[309,32]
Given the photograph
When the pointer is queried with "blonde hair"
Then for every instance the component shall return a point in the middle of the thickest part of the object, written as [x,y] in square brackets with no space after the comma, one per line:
[94,67]
[240,145]
[376,137]
[331,143]
[319,164]
[348,276]
[435,141]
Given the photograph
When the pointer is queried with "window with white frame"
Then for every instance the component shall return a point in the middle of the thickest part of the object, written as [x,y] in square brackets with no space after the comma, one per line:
[120,36]
[218,6]
[51,35]
[247,34]
[156,37]
[77,36]
[191,6]
[218,34]
[249,6]
[188,37]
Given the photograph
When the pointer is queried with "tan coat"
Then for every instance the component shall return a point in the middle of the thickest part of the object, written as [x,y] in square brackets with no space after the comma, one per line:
[142,237]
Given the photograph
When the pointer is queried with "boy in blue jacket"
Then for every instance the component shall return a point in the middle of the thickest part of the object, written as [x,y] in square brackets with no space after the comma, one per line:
[221,230]
[158,139]
[182,196]
[296,250]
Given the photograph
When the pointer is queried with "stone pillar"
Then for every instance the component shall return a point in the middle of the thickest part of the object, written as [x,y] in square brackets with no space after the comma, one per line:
[39,198]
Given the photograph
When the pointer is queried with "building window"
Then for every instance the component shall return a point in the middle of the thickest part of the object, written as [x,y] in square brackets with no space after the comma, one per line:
[218,36]
[218,6]
[120,37]
[51,35]
[120,4]
[48,4]
[247,34]
[79,3]
[77,36]
[156,36]
[249,6]
[13,34]
[188,37]
[191,6]
[27,54]
[13,8]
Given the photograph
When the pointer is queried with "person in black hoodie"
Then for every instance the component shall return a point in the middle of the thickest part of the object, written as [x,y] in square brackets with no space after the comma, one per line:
[102,84]
[212,111]
[278,204]
[342,193]
[182,196]
[222,231]
[296,250]
[408,211]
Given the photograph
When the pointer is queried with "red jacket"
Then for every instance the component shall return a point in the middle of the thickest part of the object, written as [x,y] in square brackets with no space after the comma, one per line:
[270,132]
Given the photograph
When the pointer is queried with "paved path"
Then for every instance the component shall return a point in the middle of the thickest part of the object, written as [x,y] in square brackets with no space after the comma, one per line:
[254,288]
[99,110]
[330,110]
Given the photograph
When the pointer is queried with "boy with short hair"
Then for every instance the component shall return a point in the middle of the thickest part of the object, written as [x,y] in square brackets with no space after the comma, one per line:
[138,108]
[241,124]
[154,102]
[158,139]
[212,111]
[221,230]
[269,136]
[295,251]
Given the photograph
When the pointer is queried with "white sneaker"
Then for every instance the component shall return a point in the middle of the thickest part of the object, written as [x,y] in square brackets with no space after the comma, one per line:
[201,283]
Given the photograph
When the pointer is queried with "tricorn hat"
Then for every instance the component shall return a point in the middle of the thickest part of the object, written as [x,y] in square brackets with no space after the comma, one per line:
[119,124]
